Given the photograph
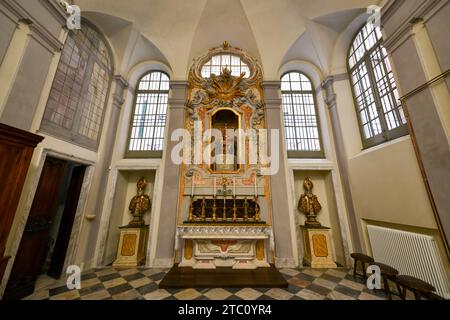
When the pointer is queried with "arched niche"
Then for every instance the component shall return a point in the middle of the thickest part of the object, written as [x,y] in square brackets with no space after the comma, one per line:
[227,121]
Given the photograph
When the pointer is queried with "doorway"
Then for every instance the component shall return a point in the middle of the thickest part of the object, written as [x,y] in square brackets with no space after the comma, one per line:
[46,237]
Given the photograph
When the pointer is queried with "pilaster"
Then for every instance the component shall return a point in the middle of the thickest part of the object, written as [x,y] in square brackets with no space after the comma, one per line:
[330,100]
[283,219]
[423,85]
[171,173]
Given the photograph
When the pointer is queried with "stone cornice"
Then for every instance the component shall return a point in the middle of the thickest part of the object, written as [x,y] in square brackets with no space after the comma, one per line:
[56,10]
[46,39]
[8,13]
[341,77]
[403,32]
[38,31]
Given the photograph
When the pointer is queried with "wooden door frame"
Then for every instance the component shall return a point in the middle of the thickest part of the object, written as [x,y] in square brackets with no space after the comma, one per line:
[78,221]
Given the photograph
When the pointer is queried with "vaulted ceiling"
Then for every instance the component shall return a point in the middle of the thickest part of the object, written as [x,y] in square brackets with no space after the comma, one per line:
[176,31]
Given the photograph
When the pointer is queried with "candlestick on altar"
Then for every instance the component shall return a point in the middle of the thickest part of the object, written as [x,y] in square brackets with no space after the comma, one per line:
[215,187]
[203,209]
[214,217]
[256,182]
[234,187]
[257,217]
[191,210]
[224,207]
[192,187]
[245,210]
[234,209]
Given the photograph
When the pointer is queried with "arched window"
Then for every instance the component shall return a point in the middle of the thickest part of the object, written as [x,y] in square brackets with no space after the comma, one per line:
[148,122]
[379,110]
[300,117]
[78,97]
[220,61]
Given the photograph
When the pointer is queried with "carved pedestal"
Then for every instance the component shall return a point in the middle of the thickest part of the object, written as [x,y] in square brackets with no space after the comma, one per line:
[132,246]
[317,244]
[209,247]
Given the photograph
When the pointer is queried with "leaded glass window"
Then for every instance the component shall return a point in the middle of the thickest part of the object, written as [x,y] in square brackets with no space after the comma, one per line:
[379,109]
[231,62]
[76,104]
[149,117]
[301,122]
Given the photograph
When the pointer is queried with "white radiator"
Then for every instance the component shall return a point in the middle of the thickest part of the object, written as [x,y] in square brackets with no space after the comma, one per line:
[411,254]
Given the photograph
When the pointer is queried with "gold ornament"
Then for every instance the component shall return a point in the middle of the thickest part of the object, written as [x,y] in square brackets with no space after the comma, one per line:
[225,87]
[140,204]
[309,204]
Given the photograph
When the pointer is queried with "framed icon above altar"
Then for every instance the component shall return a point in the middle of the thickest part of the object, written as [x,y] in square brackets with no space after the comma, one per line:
[226,153]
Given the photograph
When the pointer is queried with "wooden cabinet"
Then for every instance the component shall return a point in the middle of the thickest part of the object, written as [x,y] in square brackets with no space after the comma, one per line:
[16,151]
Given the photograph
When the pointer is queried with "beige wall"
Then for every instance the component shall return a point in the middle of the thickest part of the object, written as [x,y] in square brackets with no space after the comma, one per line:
[419,52]
[386,182]
[328,216]
[387,186]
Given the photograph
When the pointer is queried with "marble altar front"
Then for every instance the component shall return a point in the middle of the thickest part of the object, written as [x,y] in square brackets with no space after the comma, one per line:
[239,247]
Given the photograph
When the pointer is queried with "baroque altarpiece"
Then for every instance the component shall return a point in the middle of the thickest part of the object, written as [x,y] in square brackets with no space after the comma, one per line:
[224,217]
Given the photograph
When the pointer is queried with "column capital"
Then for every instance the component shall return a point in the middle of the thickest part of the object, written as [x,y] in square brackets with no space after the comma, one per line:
[272,85]
[120,80]
[272,98]
[178,94]
[328,85]
[121,85]
[179,84]
[329,81]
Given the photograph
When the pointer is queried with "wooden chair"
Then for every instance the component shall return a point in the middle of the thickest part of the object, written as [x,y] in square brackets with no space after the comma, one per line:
[418,287]
[388,273]
[364,259]
[433,296]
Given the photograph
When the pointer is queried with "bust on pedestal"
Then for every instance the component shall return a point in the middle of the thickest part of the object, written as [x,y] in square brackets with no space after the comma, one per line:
[316,238]
[133,237]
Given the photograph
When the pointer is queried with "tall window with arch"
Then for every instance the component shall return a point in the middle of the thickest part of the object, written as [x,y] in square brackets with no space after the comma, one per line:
[301,121]
[379,110]
[148,121]
[79,93]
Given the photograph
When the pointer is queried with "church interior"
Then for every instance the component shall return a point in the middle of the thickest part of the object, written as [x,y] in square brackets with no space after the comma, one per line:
[224,150]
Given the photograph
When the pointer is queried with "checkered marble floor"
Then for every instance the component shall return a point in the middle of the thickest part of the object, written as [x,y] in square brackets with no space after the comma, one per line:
[139,284]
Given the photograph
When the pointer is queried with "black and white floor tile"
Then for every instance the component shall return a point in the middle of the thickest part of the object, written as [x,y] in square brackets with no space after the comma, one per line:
[131,284]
